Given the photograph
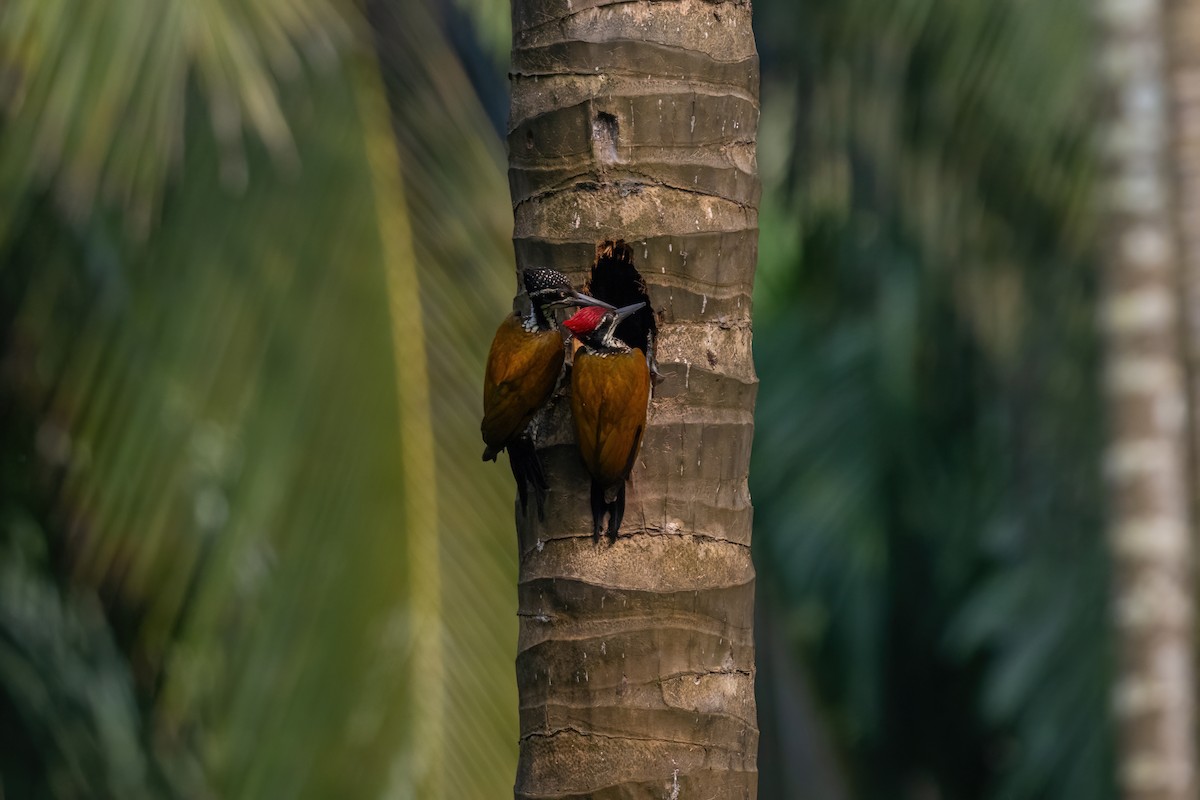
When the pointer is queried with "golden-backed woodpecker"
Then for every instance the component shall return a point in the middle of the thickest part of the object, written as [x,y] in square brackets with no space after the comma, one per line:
[523,368]
[615,280]
[610,396]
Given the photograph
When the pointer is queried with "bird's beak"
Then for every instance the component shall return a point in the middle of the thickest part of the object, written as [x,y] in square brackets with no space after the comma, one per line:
[582,299]
[622,313]
[577,299]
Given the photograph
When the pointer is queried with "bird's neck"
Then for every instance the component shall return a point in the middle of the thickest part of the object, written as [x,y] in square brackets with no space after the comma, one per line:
[605,345]
[536,320]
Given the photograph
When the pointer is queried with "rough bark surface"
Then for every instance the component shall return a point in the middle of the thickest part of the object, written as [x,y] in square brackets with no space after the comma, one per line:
[1145,461]
[637,120]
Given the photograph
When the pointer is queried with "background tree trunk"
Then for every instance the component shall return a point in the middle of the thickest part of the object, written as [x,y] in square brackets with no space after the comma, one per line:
[1184,83]
[635,666]
[1147,408]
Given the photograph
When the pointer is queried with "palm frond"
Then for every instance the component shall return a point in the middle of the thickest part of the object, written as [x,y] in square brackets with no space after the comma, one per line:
[95,95]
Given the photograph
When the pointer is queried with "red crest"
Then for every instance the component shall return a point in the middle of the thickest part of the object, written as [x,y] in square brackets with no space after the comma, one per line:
[585,320]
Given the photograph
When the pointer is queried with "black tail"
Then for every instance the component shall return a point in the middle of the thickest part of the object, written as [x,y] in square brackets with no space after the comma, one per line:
[599,507]
[615,511]
[527,471]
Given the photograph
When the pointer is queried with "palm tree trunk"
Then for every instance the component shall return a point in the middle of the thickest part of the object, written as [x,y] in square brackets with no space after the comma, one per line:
[1184,58]
[1145,461]
[637,120]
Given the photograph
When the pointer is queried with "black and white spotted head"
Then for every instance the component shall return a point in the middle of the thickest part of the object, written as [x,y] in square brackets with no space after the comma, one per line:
[549,289]
[546,282]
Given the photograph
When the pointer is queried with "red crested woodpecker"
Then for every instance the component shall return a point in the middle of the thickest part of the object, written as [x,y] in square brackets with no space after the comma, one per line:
[610,396]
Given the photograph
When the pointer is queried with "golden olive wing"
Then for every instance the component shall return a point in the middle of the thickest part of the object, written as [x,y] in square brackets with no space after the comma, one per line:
[609,397]
[522,369]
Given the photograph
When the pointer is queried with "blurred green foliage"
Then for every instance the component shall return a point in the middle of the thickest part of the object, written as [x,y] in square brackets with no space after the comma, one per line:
[229,506]
[248,548]
[926,472]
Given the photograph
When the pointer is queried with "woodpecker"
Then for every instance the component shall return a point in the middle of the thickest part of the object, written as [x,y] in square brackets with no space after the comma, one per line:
[523,367]
[615,280]
[610,396]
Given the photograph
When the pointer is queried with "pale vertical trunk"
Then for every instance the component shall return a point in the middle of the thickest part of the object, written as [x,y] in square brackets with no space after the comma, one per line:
[1184,82]
[1145,459]
[637,120]
[1183,25]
